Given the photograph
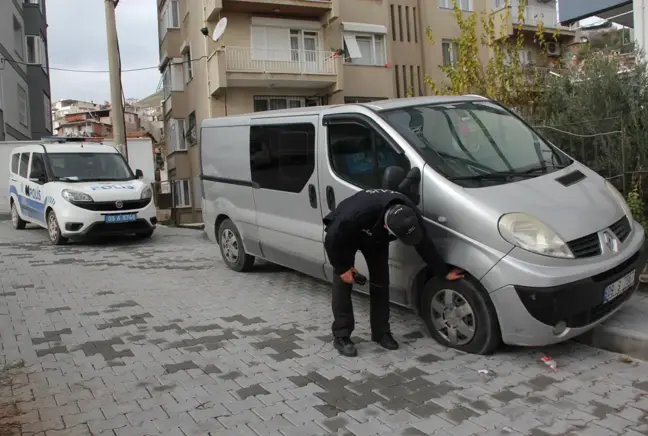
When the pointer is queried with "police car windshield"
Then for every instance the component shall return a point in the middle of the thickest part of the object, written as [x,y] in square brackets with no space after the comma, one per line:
[89,167]
[475,142]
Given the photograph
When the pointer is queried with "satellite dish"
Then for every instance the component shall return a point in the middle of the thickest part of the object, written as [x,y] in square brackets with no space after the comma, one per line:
[220,29]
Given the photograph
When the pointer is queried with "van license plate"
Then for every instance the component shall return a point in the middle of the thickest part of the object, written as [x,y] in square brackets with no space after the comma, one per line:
[122,218]
[617,288]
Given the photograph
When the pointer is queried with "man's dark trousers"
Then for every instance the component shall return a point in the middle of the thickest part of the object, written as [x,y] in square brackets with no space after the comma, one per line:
[377,258]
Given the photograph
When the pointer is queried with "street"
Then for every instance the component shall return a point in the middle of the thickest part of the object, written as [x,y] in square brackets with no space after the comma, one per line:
[158,337]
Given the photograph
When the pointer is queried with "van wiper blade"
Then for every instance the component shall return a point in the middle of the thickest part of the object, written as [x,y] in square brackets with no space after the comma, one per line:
[493,176]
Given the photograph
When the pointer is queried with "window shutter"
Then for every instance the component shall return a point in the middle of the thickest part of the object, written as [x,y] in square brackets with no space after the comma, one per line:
[258,42]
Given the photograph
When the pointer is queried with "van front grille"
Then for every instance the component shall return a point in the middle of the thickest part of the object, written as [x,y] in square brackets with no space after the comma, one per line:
[587,246]
[621,228]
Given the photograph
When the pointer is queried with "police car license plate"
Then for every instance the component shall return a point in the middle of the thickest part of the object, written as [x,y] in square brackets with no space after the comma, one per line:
[617,288]
[121,218]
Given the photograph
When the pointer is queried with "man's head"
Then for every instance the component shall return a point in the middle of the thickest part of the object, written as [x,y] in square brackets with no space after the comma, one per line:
[402,222]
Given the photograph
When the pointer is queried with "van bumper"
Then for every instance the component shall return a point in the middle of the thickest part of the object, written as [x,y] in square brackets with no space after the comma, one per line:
[543,315]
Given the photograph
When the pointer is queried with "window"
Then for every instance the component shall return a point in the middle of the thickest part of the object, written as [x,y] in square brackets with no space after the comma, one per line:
[175,135]
[186,63]
[169,17]
[284,44]
[172,79]
[89,166]
[181,193]
[464,5]
[269,103]
[15,163]
[360,155]
[24,164]
[365,48]
[397,78]
[37,166]
[191,134]
[407,23]
[47,108]
[400,22]
[22,106]
[450,51]
[19,39]
[418,75]
[282,156]
[393,22]
[415,24]
[405,88]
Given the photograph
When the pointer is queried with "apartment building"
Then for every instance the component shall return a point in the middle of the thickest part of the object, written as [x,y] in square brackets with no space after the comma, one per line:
[279,54]
[25,102]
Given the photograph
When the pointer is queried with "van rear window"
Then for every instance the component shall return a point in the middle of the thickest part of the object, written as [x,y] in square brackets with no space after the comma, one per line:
[15,159]
[24,163]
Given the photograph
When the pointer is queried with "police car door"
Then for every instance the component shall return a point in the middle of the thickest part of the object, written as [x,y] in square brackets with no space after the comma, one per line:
[34,187]
[285,174]
[353,154]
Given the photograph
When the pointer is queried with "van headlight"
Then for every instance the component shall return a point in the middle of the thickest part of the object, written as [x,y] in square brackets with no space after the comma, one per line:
[619,198]
[76,196]
[531,234]
[146,193]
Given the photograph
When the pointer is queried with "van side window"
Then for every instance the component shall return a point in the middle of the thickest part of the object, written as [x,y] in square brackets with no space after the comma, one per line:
[282,156]
[360,155]
[24,162]
[37,166]
[15,163]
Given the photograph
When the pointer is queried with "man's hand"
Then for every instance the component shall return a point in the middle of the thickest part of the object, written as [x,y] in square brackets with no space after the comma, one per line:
[455,274]
[347,277]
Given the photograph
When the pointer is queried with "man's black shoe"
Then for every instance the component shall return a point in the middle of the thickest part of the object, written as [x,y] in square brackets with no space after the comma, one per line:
[345,347]
[386,341]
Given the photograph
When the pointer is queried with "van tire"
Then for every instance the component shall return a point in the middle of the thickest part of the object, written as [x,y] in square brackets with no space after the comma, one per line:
[479,313]
[17,222]
[54,230]
[232,249]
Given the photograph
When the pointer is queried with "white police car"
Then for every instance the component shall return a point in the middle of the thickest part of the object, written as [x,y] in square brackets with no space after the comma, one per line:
[76,190]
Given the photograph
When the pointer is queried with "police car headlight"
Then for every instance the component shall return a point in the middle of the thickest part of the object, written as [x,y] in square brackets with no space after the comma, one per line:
[75,196]
[146,193]
[531,234]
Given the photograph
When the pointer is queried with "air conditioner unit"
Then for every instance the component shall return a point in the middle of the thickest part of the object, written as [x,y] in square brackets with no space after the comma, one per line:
[553,49]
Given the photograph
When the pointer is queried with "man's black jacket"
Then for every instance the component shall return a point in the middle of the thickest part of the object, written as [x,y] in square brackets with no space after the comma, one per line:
[361,216]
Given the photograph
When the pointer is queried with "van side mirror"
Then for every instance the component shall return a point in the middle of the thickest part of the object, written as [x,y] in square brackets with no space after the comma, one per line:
[139,174]
[38,177]
[393,177]
[411,184]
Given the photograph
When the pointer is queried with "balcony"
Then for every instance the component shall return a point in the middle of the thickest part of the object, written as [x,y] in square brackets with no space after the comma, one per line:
[176,105]
[532,17]
[212,9]
[170,44]
[247,67]
[304,8]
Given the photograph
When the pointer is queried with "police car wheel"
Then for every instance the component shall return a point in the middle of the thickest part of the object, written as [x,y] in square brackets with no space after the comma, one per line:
[53,230]
[232,249]
[16,221]
[460,315]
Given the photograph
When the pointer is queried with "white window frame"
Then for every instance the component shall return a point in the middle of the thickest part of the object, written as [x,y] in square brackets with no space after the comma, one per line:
[166,16]
[187,67]
[39,50]
[259,40]
[185,202]
[351,43]
[453,47]
[464,5]
[23,106]
[172,78]
[47,103]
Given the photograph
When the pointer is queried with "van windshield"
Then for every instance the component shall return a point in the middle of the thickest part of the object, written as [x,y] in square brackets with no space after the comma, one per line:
[476,142]
[89,167]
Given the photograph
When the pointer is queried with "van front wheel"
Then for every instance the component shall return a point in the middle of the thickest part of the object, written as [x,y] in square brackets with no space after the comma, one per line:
[459,316]
[54,230]
[232,250]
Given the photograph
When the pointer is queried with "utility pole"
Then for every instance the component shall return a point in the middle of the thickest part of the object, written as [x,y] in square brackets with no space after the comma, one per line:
[117,111]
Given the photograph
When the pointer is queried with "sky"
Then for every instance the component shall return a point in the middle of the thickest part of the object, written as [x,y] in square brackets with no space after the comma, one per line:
[77,41]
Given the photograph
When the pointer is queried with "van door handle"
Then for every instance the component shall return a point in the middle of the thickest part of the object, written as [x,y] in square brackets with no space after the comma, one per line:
[330,197]
[312,196]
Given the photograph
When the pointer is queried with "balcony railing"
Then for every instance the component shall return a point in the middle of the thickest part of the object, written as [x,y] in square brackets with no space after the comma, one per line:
[534,15]
[261,60]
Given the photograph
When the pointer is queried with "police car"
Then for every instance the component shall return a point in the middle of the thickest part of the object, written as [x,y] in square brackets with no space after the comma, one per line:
[77,190]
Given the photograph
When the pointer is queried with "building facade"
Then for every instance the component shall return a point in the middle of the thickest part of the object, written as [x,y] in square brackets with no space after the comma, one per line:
[25,97]
[278,54]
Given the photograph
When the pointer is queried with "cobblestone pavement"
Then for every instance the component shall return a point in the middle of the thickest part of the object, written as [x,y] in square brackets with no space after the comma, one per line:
[158,337]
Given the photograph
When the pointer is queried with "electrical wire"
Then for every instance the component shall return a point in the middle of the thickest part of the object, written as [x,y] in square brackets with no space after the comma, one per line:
[130,70]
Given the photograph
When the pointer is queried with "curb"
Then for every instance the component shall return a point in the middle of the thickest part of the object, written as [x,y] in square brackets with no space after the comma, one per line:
[618,340]
[5,217]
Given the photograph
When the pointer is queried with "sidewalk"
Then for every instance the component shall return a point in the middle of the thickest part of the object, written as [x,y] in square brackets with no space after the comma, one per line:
[627,330]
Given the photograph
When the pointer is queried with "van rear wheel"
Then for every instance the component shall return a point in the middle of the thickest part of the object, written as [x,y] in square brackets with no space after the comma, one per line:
[232,250]
[17,222]
[459,315]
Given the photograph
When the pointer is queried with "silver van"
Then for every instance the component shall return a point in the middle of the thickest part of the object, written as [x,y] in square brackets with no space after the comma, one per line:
[550,248]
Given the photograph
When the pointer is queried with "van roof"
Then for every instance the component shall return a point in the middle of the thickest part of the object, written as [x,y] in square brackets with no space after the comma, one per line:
[378,105]
[70,147]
